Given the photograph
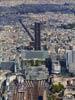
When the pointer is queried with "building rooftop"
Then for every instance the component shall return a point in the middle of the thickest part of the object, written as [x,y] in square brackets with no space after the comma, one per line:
[34,55]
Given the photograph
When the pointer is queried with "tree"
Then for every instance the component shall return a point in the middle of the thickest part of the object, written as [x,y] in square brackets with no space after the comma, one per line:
[52,97]
[57,87]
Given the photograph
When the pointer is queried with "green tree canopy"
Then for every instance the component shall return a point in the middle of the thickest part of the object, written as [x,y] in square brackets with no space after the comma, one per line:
[57,87]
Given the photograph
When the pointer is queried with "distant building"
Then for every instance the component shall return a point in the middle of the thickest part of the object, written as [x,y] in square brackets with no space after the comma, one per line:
[70,60]
[69,57]
[56,68]
[48,63]
[7,66]
[63,66]
[27,55]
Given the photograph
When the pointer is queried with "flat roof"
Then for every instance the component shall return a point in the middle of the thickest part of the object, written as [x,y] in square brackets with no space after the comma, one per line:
[30,55]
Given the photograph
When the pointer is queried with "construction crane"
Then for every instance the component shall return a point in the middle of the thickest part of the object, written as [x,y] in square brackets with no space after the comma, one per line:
[37,39]
[26,30]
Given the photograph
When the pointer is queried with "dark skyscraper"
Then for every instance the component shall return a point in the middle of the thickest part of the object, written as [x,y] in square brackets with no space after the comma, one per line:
[48,63]
[37,36]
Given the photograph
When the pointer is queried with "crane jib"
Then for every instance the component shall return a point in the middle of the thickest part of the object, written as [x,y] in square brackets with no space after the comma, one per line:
[29,34]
